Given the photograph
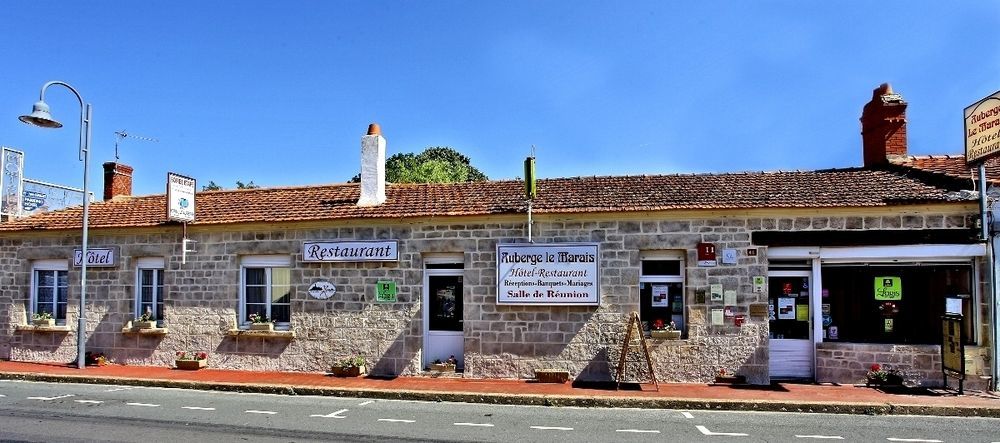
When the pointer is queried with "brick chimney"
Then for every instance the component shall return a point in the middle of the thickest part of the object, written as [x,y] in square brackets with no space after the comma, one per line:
[372,167]
[883,126]
[117,180]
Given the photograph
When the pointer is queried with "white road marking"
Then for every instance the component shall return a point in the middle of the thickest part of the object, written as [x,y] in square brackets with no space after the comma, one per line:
[92,402]
[912,439]
[551,428]
[366,403]
[51,398]
[332,414]
[705,431]
[396,420]
[197,408]
[687,415]
[254,411]
[484,425]
[148,405]
[1,395]
[118,389]
[639,431]
[828,437]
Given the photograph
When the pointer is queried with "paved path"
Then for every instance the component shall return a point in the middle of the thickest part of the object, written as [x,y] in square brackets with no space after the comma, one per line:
[778,397]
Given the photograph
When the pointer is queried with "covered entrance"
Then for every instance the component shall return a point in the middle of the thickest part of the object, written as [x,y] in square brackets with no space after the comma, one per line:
[442,302]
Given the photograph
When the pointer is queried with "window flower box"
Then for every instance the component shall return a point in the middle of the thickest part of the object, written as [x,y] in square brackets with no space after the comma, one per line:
[262,326]
[665,334]
[148,324]
[44,322]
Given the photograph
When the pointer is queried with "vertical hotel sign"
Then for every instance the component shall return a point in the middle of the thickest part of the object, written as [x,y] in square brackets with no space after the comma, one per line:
[982,129]
[11,181]
[548,274]
[180,197]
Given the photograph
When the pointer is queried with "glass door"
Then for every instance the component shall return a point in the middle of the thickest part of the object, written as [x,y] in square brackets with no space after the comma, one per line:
[443,331]
[790,321]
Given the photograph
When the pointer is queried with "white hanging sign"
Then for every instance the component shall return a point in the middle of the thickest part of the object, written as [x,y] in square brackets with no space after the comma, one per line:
[180,197]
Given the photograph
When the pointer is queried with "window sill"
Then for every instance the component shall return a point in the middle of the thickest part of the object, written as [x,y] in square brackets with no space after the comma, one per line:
[33,328]
[288,334]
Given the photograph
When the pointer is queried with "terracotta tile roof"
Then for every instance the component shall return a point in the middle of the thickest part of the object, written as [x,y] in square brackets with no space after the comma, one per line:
[952,166]
[812,189]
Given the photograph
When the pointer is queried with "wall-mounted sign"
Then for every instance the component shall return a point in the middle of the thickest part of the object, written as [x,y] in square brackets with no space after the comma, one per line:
[758,284]
[888,288]
[385,291]
[548,274]
[180,197]
[96,257]
[729,296]
[716,290]
[729,257]
[758,310]
[706,254]
[982,128]
[350,251]
[322,290]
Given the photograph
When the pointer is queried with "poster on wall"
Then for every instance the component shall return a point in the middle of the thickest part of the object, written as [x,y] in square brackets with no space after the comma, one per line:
[718,317]
[730,297]
[758,284]
[660,299]
[716,291]
[549,274]
[786,308]
[802,312]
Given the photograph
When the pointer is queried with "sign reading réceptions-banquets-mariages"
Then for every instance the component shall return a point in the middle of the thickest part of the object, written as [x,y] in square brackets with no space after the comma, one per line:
[350,251]
[982,129]
[180,197]
[548,274]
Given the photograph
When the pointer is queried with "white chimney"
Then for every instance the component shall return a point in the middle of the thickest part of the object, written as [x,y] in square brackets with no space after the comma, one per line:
[372,167]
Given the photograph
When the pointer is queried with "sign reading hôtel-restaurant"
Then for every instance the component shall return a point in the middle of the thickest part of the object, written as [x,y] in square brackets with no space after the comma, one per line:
[350,251]
[548,274]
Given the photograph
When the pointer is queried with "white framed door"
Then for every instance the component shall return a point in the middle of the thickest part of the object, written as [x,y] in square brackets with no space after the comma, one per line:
[790,312]
[443,314]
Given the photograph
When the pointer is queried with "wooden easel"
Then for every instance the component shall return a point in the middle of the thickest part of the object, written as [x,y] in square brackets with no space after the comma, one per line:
[634,326]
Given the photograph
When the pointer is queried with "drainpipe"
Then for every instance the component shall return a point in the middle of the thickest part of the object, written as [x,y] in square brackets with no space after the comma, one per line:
[991,275]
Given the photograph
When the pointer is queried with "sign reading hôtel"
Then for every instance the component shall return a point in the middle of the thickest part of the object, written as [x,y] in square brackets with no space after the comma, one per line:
[96,257]
[548,274]
[350,251]
[982,129]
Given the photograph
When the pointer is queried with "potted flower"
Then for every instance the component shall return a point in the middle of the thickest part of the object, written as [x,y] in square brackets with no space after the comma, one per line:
[145,321]
[731,379]
[95,359]
[43,319]
[353,366]
[661,330]
[259,322]
[444,366]
[191,361]
[883,375]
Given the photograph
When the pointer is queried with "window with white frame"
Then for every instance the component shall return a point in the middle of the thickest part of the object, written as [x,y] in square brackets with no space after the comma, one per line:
[266,288]
[50,288]
[149,288]
[661,289]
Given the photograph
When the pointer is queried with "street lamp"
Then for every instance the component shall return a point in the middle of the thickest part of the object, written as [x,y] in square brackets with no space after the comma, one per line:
[40,116]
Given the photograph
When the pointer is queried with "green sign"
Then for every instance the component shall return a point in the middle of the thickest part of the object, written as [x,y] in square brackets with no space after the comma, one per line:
[888,288]
[385,291]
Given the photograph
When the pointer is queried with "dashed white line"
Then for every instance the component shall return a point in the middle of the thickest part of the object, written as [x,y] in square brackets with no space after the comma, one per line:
[148,405]
[91,402]
[705,431]
[254,411]
[397,420]
[912,439]
[484,425]
[118,389]
[687,415]
[639,431]
[1,395]
[828,437]
[197,408]
[366,403]
[332,414]
[551,428]
[51,398]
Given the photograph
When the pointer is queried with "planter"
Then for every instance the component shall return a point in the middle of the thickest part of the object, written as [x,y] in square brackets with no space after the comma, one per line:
[261,326]
[347,371]
[189,365]
[891,381]
[443,367]
[665,334]
[44,322]
[730,379]
[551,375]
[144,324]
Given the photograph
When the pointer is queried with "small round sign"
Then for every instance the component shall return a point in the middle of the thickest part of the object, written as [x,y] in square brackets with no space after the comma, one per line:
[322,290]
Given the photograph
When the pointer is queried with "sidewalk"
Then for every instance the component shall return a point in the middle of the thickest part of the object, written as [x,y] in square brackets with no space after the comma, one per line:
[789,397]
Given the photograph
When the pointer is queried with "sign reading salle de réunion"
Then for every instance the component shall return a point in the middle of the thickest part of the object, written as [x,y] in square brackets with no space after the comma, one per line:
[548,274]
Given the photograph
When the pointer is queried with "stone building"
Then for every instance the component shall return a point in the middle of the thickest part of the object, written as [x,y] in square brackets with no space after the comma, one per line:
[765,274]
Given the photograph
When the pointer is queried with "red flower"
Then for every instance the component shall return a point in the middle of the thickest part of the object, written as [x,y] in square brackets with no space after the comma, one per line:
[180,354]
[202,355]
[876,368]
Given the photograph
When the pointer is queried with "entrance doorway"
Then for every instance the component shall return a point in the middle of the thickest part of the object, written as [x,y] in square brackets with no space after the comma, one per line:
[790,319]
[442,301]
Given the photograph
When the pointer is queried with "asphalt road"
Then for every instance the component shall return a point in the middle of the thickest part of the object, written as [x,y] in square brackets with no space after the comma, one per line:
[82,413]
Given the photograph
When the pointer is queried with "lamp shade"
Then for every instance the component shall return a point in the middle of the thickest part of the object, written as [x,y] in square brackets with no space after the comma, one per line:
[40,116]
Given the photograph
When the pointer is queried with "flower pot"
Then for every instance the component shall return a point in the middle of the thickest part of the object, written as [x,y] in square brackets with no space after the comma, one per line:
[551,376]
[443,367]
[347,371]
[189,365]
[261,326]
[151,324]
[731,379]
[44,322]
[665,334]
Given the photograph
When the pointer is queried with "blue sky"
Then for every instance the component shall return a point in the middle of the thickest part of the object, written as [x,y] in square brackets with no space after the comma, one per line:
[281,92]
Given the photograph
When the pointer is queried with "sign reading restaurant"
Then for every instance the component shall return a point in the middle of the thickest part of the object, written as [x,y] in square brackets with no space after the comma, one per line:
[548,274]
[982,129]
[350,251]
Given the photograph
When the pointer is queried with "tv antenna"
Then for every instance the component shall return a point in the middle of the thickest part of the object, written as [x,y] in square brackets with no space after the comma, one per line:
[119,135]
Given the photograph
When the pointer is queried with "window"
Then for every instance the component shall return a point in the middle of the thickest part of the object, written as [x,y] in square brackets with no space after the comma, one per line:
[266,288]
[149,288]
[661,289]
[50,287]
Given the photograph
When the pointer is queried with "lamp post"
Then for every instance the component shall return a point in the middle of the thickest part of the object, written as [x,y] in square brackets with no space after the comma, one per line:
[40,116]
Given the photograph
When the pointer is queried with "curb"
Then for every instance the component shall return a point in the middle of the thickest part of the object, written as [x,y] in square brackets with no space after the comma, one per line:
[534,399]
